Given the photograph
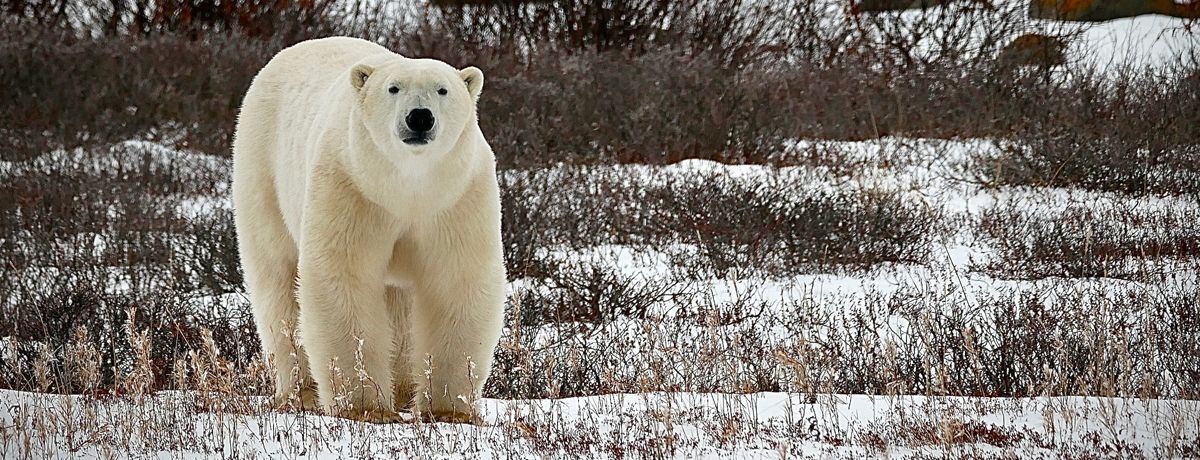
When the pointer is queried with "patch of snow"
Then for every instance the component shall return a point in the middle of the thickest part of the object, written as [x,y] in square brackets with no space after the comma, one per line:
[691,425]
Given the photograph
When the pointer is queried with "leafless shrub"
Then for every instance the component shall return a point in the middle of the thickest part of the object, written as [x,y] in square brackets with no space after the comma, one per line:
[1117,239]
[580,303]
[172,323]
[91,233]
[593,293]
[689,80]
[734,32]
[670,108]
[967,32]
[780,225]
[1053,340]
[255,18]
[1116,134]
[66,91]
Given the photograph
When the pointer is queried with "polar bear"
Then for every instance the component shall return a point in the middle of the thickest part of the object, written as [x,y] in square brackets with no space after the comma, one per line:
[368,222]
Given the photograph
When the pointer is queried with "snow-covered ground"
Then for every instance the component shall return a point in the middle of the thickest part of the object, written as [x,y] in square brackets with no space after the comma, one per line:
[657,425]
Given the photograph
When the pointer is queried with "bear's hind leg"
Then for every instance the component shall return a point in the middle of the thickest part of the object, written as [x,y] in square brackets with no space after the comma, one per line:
[271,285]
[269,260]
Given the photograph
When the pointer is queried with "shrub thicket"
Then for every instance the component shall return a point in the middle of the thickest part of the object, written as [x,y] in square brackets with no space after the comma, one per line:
[650,82]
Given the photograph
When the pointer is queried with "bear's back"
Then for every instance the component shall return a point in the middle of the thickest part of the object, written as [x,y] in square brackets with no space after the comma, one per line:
[318,60]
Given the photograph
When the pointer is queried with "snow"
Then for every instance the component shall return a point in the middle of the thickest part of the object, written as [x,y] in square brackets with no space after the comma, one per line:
[676,425]
[117,158]
[1142,41]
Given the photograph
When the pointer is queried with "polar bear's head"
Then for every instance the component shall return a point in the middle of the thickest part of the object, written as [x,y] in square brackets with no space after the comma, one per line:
[415,105]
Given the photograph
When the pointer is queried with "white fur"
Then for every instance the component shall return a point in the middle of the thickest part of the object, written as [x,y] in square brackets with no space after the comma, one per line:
[348,233]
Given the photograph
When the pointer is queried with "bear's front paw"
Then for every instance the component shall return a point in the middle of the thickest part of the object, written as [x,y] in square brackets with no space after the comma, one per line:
[452,417]
[305,400]
[373,415]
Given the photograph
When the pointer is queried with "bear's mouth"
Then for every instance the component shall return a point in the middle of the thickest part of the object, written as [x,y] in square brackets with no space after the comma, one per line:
[414,138]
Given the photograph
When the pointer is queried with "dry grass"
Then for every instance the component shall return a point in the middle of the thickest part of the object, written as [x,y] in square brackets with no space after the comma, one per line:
[214,416]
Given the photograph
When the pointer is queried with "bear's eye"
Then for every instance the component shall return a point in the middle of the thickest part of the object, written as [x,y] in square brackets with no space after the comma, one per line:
[394,89]
[442,91]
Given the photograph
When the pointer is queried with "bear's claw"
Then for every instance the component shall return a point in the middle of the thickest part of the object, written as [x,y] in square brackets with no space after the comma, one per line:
[379,416]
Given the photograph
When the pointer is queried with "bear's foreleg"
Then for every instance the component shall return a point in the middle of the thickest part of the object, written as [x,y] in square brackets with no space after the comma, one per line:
[347,333]
[458,309]
[454,339]
[345,325]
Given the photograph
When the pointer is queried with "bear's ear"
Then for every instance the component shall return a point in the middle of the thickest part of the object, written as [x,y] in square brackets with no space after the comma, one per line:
[359,75]
[473,77]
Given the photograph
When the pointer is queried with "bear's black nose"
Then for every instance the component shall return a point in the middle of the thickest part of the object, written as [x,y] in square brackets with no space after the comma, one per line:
[419,120]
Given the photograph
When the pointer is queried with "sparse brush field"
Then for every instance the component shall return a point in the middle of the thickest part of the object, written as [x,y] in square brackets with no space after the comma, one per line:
[692,309]
[902,252]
